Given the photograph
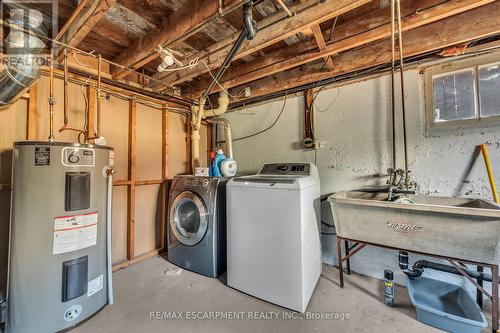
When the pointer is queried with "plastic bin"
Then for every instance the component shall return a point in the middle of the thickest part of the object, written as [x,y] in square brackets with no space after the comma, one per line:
[445,306]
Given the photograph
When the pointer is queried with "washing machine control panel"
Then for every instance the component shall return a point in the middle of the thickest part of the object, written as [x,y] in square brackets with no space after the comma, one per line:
[301,169]
[200,185]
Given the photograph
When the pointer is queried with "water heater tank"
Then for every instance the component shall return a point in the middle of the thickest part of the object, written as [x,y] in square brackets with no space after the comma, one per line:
[59,245]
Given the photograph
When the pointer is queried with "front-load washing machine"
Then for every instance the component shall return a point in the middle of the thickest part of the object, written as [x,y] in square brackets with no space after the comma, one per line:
[197,224]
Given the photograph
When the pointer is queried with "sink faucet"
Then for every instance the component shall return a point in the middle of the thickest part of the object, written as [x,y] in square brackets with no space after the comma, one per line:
[399,182]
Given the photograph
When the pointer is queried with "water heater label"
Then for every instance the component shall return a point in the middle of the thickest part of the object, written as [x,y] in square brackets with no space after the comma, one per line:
[74,232]
[95,285]
[76,156]
[42,156]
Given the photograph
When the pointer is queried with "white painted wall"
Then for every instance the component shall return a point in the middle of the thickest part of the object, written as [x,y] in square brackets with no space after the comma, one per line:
[354,120]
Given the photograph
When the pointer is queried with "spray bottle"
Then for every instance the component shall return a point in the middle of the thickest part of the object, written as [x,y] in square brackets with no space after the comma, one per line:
[389,287]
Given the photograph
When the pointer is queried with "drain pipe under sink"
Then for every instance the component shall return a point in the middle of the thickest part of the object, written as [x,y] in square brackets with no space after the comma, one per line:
[418,268]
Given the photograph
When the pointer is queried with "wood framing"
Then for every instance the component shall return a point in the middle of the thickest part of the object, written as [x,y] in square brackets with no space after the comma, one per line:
[180,25]
[271,35]
[320,40]
[471,25]
[225,44]
[91,93]
[132,141]
[136,259]
[31,122]
[288,58]
[164,175]
[85,21]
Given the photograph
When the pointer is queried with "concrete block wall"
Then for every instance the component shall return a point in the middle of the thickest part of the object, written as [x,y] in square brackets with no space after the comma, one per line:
[354,121]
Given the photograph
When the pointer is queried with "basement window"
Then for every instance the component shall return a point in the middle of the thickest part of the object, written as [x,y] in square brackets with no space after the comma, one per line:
[463,94]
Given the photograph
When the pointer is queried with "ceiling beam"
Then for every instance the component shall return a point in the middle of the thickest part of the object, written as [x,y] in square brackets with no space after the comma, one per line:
[225,44]
[183,23]
[415,16]
[272,34]
[320,40]
[469,26]
[85,21]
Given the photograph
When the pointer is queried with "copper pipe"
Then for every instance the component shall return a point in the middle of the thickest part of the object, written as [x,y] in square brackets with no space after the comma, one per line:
[66,95]
[90,54]
[401,73]
[51,98]
[98,91]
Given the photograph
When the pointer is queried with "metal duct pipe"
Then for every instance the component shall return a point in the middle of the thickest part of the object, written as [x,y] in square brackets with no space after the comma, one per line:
[21,47]
[227,133]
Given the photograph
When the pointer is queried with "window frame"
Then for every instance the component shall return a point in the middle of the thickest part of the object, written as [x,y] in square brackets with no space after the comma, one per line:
[433,71]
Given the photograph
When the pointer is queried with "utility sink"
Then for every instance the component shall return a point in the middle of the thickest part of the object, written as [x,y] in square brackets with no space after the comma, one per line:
[459,228]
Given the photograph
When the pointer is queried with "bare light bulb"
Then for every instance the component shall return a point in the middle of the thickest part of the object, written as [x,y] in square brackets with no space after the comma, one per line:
[167,62]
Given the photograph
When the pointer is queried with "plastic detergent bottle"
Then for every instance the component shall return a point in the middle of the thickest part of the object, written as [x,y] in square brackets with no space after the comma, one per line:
[389,287]
[211,169]
[217,161]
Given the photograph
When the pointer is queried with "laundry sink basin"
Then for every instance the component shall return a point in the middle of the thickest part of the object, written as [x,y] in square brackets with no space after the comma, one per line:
[458,228]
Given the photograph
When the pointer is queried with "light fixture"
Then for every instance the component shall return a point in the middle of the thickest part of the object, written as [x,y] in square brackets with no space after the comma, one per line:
[168,61]
[168,57]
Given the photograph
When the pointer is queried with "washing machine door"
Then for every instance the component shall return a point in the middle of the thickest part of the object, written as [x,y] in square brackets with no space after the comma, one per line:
[188,218]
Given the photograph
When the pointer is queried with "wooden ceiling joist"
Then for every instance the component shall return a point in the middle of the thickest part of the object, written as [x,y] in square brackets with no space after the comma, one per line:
[86,21]
[472,25]
[225,44]
[287,58]
[183,23]
[272,34]
[320,40]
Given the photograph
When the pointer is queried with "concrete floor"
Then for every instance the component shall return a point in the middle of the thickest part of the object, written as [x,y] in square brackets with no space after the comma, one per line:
[155,285]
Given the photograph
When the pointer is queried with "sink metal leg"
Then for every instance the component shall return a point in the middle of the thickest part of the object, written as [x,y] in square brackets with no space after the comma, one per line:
[339,255]
[494,298]
[479,294]
[348,259]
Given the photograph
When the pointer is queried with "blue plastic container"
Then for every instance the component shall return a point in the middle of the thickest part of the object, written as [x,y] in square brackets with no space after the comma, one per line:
[446,306]
[217,161]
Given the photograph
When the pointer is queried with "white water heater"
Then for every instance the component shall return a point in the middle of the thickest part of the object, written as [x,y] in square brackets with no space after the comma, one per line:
[60,241]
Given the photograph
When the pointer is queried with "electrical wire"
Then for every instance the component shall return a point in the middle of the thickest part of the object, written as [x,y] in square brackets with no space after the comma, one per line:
[329,105]
[193,63]
[267,128]
[216,81]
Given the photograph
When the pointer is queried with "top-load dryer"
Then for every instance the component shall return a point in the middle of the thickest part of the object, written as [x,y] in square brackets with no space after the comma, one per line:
[273,244]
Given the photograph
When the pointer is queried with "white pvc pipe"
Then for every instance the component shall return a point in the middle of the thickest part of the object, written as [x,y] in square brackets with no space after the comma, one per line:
[227,134]
[109,209]
[197,114]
